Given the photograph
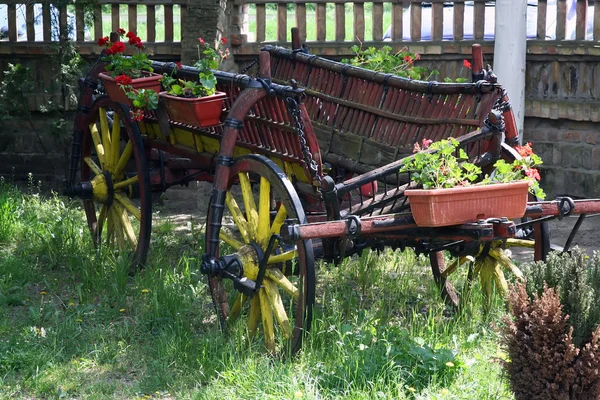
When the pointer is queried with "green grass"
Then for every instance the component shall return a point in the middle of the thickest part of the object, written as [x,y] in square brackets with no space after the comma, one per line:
[73,324]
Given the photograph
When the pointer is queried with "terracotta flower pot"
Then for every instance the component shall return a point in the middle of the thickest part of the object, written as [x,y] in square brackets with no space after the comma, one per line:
[117,94]
[197,111]
[459,205]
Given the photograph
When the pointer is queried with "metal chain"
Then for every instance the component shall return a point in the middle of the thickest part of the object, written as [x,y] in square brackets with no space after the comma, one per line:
[294,110]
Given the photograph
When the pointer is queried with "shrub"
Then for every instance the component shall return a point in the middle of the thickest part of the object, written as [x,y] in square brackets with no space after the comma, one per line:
[544,361]
[577,276]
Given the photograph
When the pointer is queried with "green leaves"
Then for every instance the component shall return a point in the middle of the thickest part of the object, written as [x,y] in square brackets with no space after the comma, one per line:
[441,167]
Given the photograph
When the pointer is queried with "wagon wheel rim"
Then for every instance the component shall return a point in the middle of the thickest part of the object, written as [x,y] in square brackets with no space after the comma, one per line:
[281,309]
[491,264]
[115,182]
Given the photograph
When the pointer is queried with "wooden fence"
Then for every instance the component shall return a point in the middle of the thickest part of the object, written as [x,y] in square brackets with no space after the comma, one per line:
[441,26]
[31,27]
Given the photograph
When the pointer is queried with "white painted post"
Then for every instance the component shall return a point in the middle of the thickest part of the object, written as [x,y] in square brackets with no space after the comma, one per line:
[510,49]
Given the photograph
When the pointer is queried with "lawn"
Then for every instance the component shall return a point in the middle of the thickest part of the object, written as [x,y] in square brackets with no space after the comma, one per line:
[74,324]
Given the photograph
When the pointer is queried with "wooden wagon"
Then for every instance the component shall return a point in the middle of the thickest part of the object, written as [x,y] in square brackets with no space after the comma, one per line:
[304,166]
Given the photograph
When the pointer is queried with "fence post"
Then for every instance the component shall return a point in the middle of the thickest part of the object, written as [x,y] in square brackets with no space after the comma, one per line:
[510,49]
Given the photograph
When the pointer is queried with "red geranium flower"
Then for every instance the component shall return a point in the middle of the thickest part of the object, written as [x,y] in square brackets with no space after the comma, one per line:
[408,59]
[179,65]
[123,80]
[525,150]
[467,64]
[130,35]
[426,143]
[103,41]
[121,31]
[201,41]
[117,47]
[533,173]
[223,40]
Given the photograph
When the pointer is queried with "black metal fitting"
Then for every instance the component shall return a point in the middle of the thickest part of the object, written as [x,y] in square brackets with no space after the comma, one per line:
[82,190]
[290,231]
[111,188]
[566,205]
[83,109]
[429,91]
[85,82]
[224,161]
[234,123]
[353,226]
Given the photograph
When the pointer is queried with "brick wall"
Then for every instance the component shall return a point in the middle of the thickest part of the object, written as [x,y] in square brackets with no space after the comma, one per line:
[571,154]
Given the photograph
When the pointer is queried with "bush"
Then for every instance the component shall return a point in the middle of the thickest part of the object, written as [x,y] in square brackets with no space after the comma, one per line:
[553,335]
[577,276]
[544,361]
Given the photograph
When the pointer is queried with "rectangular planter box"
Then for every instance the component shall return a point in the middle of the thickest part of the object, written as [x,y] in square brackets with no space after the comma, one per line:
[459,205]
[198,111]
[117,94]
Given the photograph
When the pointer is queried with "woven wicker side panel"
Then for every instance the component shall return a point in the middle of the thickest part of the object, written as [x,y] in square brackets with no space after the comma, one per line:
[369,123]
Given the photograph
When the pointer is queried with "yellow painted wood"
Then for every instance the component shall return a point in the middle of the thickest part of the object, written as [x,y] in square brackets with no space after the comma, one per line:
[264,215]
[238,217]
[115,144]
[126,182]
[93,166]
[267,320]
[126,224]
[275,275]
[278,308]
[110,232]
[125,156]
[227,236]
[530,244]
[184,138]
[507,263]
[118,229]
[105,132]
[499,279]
[100,221]
[212,145]
[283,257]
[97,144]
[249,260]
[454,266]
[253,315]
[129,206]
[249,204]
[279,220]
[236,308]
[99,188]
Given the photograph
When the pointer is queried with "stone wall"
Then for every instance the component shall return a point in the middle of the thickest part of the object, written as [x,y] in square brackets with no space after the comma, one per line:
[571,154]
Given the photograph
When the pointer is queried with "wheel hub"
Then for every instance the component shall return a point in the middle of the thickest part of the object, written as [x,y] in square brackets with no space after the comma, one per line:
[100,189]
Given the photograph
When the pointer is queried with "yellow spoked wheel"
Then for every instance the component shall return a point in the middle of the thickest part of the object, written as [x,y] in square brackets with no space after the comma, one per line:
[259,200]
[115,183]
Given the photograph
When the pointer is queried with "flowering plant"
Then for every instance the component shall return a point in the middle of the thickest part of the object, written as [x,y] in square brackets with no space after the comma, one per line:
[134,66]
[124,69]
[444,164]
[385,60]
[209,59]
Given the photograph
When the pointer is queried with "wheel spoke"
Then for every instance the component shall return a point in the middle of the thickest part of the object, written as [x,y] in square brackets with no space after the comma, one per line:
[254,315]
[97,144]
[275,275]
[126,183]
[507,263]
[530,244]
[236,308]
[227,236]
[278,308]
[264,215]
[279,220]
[126,224]
[454,266]
[249,204]
[110,233]
[116,144]
[129,206]
[125,156]
[267,320]
[118,228]
[93,166]
[283,257]
[238,217]
[105,139]
[100,223]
